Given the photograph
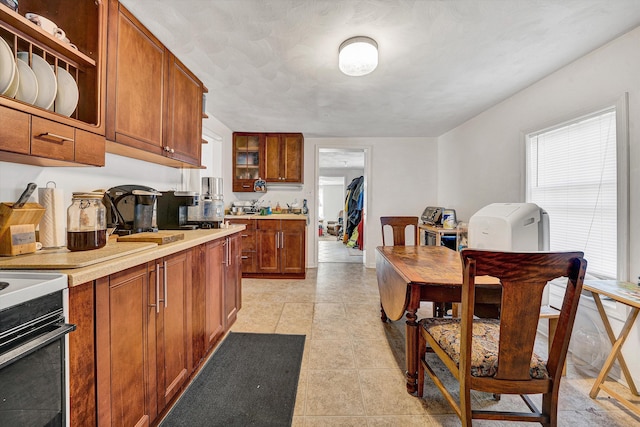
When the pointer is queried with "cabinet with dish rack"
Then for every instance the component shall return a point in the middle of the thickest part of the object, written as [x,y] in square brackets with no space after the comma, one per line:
[52,82]
[154,103]
[276,157]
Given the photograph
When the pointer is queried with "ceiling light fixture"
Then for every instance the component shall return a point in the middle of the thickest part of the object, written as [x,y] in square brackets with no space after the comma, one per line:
[358,56]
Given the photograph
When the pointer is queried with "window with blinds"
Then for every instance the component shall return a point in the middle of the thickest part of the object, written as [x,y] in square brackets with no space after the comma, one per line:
[572,174]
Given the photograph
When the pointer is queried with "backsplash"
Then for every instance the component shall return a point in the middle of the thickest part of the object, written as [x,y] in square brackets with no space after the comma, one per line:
[117,171]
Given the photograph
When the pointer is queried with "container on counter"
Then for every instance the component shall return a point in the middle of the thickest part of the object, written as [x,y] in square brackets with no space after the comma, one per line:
[86,222]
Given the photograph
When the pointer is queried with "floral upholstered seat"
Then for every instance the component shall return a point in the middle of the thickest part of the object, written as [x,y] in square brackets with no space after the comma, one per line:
[484,351]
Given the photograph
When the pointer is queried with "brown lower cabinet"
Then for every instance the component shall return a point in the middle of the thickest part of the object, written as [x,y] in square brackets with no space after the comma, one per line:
[248,236]
[143,332]
[273,248]
[281,246]
[125,349]
[232,279]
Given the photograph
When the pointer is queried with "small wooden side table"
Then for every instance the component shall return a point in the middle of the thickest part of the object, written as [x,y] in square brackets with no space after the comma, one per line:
[628,294]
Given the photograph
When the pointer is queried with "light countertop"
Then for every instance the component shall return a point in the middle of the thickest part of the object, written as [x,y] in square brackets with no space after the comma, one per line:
[115,256]
[272,216]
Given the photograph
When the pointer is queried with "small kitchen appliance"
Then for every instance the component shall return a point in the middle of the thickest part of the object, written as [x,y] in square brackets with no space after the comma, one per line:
[131,209]
[432,215]
[212,206]
[173,209]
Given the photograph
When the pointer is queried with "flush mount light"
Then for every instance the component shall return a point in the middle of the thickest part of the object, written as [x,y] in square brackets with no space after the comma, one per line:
[358,56]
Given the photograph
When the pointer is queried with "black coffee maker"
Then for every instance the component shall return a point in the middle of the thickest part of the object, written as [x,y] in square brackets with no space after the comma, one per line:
[131,209]
[173,210]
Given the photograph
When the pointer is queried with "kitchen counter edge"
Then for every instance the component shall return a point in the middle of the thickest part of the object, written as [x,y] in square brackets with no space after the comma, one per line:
[272,216]
[192,238]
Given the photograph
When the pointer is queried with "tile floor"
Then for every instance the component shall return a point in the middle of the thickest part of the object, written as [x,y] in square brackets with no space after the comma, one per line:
[352,370]
[332,250]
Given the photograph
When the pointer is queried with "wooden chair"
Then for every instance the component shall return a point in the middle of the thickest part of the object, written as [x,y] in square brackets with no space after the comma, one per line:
[496,356]
[399,225]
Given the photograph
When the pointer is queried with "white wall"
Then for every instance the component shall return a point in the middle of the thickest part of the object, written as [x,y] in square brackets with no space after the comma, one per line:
[334,198]
[333,201]
[485,156]
[401,180]
[117,171]
[348,173]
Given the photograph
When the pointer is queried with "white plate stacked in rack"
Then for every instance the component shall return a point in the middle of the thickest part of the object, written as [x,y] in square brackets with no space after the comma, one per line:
[7,68]
[67,95]
[40,84]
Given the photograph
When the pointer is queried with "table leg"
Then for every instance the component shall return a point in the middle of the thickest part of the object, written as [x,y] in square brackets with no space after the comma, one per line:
[411,351]
[615,350]
[411,341]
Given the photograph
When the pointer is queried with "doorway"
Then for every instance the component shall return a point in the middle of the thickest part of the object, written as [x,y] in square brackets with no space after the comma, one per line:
[337,169]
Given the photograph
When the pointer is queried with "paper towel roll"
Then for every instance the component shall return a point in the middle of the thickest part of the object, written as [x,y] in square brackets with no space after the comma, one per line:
[54,222]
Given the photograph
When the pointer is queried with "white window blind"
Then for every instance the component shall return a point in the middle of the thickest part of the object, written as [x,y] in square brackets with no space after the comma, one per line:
[571,173]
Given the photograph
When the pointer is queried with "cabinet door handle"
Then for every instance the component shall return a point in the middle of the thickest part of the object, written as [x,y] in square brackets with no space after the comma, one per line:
[245,257]
[246,186]
[277,240]
[282,239]
[244,235]
[164,275]
[228,251]
[157,305]
[54,135]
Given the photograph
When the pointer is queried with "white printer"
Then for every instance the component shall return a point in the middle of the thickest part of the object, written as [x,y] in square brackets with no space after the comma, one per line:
[518,227]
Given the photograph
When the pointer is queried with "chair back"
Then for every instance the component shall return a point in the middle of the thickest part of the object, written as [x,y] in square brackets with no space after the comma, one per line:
[399,225]
[523,277]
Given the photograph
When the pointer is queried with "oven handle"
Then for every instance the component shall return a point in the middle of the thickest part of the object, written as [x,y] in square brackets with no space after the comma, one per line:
[35,344]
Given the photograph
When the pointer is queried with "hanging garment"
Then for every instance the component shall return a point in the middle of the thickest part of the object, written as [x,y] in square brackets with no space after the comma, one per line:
[354,208]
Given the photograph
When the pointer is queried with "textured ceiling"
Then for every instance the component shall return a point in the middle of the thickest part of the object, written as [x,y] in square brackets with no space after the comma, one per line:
[271,65]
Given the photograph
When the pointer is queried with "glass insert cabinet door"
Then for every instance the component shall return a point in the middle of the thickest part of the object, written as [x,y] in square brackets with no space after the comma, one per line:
[247,156]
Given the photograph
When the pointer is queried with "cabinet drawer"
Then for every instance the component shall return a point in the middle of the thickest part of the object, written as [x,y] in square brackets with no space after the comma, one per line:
[268,224]
[52,140]
[249,223]
[89,148]
[248,240]
[14,132]
[248,262]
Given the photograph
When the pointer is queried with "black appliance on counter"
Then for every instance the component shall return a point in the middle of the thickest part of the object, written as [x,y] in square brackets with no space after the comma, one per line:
[173,210]
[131,209]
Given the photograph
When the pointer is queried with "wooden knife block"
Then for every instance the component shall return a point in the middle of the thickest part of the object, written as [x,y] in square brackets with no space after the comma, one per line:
[18,228]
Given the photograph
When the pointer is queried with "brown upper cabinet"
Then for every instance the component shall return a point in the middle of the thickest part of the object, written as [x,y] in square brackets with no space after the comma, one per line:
[154,103]
[40,136]
[275,157]
[248,163]
[284,157]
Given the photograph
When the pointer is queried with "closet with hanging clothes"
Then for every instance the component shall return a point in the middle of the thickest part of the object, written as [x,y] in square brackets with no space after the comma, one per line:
[353,207]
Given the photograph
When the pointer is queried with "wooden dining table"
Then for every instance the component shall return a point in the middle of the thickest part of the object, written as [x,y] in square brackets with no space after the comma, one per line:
[408,275]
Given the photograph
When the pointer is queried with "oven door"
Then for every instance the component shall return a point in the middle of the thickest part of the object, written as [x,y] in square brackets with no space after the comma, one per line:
[33,380]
